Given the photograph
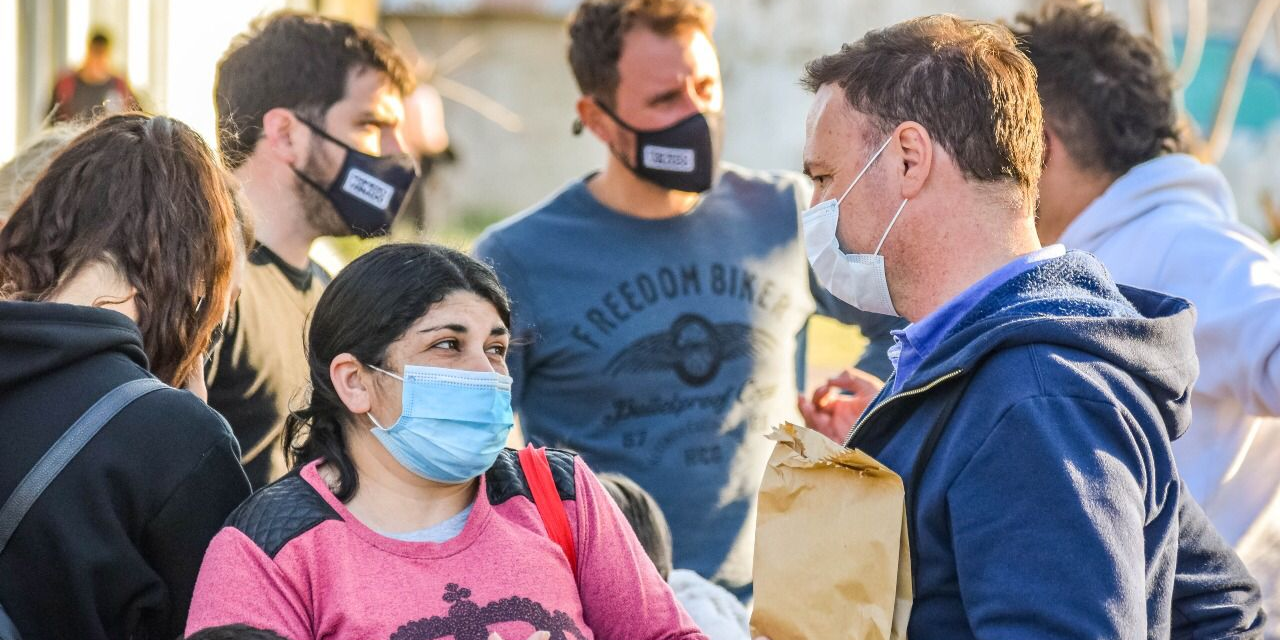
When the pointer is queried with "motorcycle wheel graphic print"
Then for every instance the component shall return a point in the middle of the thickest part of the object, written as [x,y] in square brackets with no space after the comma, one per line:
[694,348]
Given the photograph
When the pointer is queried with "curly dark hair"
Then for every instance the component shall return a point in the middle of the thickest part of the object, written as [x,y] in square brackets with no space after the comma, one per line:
[145,194]
[1107,92]
[597,27]
[295,61]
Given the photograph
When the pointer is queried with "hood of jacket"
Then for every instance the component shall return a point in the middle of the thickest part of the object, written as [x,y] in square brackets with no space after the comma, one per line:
[37,338]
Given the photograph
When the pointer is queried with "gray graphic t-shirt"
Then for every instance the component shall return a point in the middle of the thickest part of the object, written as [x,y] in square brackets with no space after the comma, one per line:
[664,349]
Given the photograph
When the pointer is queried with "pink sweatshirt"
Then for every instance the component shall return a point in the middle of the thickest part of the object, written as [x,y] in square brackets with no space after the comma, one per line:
[294,560]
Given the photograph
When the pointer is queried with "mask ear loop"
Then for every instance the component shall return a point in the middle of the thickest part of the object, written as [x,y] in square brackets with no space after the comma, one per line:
[865,168]
[891,223]
[384,372]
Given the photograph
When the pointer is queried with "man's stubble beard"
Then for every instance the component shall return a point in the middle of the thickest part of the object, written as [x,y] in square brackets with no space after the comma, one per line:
[319,213]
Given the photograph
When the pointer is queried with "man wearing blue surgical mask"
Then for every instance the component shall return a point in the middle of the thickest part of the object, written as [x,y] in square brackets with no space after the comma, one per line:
[660,303]
[309,113]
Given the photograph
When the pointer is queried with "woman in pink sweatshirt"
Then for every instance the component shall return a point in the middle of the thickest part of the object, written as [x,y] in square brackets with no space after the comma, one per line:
[405,517]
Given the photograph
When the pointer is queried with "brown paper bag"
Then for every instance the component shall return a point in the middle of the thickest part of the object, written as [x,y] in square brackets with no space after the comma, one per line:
[831,555]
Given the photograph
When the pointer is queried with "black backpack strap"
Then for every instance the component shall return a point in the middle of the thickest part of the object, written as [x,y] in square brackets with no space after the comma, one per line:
[60,454]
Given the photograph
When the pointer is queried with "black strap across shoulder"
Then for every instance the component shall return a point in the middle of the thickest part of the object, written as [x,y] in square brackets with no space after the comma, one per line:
[56,459]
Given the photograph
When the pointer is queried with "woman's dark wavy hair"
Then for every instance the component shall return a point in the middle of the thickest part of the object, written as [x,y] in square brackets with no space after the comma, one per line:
[368,306]
[146,194]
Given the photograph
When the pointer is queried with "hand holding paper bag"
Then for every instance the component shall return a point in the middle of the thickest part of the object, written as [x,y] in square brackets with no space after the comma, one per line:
[831,557]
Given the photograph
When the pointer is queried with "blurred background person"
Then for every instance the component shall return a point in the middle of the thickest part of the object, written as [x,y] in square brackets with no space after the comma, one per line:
[716,611]
[118,265]
[1116,185]
[427,138]
[310,112]
[92,89]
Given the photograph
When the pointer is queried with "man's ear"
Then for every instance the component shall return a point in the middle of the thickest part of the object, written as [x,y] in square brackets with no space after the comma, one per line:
[283,136]
[595,120]
[349,379]
[916,152]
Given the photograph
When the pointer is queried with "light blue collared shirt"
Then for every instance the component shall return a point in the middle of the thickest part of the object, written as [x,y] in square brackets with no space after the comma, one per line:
[914,343]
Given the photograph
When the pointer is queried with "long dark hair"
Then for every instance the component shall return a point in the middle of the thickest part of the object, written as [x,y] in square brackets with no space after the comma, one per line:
[368,306]
[145,194]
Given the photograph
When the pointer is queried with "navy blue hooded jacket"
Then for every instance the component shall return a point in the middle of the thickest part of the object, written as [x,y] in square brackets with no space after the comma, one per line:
[1051,506]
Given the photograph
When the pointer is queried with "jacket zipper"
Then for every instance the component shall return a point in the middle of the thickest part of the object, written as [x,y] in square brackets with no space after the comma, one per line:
[857,426]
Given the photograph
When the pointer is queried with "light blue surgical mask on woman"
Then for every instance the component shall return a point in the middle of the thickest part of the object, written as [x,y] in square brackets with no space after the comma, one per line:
[453,423]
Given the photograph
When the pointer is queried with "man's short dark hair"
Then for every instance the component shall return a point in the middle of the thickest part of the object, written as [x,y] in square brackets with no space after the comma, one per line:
[1107,92]
[597,28]
[965,81]
[296,61]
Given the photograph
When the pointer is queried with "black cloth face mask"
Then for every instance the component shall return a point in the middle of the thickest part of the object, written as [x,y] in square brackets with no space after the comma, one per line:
[369,190]
[682,157]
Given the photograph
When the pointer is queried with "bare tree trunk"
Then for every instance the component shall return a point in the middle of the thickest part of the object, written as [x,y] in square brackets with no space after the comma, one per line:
[1197,32]
[1158,25]
[1233,90]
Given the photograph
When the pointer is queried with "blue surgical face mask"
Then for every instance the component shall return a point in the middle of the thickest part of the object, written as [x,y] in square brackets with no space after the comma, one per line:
[453,424]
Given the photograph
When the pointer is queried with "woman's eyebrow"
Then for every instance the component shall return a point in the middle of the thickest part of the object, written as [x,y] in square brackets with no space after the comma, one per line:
[499,330]
[452,327]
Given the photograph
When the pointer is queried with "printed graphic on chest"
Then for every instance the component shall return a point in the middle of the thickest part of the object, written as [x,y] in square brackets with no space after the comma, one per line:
[694,348]
[470,621]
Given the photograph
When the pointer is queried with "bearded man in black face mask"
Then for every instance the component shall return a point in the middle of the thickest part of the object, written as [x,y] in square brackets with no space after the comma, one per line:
[660,303]
[309,112]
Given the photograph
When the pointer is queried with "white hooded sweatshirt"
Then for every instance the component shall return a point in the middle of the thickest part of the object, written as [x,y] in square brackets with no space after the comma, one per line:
[1170,225]
[716,611]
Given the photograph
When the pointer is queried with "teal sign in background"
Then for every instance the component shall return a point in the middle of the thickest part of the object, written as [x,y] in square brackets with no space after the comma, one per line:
[1260,105]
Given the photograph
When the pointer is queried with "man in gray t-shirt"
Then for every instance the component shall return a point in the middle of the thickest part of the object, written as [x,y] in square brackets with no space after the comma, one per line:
[660,303]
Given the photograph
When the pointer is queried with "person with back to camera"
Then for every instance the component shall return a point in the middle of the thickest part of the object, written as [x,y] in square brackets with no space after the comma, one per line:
[116,270]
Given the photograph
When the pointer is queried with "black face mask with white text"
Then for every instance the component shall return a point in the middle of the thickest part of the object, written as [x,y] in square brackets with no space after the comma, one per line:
[682,157]
[369,191]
